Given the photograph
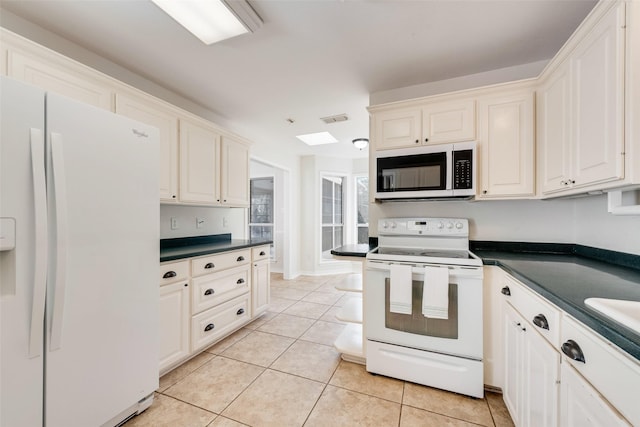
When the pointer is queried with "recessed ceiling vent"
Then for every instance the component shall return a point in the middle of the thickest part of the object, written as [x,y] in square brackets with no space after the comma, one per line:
[335,119]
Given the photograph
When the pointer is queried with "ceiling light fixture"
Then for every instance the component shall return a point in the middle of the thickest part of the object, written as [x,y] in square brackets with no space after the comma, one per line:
[212,20]
[319,138]
[360,143]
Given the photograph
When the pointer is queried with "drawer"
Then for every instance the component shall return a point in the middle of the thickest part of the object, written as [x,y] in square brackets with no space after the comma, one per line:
[614,374]
[544,317]
[221,261]
[260,252]
[171,272]
[217,288]
[215,323]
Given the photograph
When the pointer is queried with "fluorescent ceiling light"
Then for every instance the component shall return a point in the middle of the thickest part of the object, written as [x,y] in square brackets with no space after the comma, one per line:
[317,138]
[210,20]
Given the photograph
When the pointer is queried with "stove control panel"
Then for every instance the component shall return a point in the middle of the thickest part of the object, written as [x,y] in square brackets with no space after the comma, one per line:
[424,226]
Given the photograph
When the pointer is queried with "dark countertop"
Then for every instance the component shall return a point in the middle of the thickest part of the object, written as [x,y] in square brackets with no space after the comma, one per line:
[359,250]
[567,278]
[186,247]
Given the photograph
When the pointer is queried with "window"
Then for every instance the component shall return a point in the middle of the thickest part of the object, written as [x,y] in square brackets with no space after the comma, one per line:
[261,210]
[362,208]
[332,214]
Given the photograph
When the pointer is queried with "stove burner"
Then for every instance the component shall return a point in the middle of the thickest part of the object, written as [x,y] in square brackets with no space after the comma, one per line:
[423,253]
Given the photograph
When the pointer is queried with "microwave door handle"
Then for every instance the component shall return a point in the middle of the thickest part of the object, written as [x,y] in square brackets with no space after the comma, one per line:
[449,174]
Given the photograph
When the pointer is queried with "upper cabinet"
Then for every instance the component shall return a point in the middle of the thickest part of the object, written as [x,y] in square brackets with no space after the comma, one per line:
[165,118]
[581,142]
[506,144]
[433,123]
[199,164]
[46,69]
[234,166]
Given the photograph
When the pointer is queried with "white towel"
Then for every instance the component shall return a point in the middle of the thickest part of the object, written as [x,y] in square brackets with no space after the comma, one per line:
[400,287]
[435,293]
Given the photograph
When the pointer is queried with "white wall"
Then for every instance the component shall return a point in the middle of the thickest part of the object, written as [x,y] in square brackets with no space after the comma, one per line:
[595,227]
[310,209]
[215,220]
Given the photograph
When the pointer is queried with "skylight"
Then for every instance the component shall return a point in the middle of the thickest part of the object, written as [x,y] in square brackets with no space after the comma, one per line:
[319,138]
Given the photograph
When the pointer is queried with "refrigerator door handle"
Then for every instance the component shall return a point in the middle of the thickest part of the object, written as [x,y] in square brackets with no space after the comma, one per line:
[60,190]
[36,331]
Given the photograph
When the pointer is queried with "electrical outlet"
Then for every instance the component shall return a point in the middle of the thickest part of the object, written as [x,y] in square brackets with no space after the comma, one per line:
[199,222]
[174,223]
[224,222]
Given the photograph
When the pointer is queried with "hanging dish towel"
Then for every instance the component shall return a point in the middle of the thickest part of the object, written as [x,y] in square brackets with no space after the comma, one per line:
[435,293]
[400,287]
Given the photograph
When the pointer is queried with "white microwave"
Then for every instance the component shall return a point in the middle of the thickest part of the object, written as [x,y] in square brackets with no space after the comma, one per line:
[444,171]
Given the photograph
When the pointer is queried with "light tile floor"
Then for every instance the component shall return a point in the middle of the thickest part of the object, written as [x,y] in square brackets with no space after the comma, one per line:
[282,370]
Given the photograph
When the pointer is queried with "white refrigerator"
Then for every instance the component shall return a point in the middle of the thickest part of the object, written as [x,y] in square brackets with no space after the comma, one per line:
[79,253]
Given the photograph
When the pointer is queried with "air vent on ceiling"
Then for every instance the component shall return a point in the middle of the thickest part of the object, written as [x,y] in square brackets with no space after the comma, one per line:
[335,119]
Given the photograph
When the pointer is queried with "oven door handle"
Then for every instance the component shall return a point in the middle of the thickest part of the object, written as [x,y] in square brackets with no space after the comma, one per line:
[457,271]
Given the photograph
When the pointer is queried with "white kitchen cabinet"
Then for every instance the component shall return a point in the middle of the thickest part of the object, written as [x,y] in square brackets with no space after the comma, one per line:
[431,123]
[234,168]
[397,128]
[57,74]
[450,121]
[553,137]
[155,113]
[199,164]
[581,112]
[174,314]
[217,322]
[506,144]
[260,286]
[531,374]
[582,405]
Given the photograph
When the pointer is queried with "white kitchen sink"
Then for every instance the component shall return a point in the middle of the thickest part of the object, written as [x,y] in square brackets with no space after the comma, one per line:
[627,313]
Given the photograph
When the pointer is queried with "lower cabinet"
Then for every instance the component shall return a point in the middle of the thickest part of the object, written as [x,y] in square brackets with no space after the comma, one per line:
[204,299]
[174,323]
[212,324]
[531,375]
[582,405]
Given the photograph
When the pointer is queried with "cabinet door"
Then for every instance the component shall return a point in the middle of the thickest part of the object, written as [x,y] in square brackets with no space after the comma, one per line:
[597,70]
[553,136]
[542,364]
[260,288]
[514,366]
[506,145]
[155,114]
[235,173]
[397,129]
[174,323]
[199,160]
[73,82]
[449,122]
[581,405]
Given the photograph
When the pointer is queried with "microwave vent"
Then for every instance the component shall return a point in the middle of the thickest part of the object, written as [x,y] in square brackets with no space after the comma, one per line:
[335,119]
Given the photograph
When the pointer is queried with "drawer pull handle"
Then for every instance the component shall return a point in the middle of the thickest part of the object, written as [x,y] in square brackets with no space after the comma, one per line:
[169,274]
[573,350]
[240,258]
[240,281]
[209,292]
[209,327]
[506,291]
[240,312]
[541,321]
[262,253]
[209,265]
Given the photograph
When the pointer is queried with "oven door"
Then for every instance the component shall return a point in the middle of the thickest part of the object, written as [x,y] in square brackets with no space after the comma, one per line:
[414,173]
[458,335]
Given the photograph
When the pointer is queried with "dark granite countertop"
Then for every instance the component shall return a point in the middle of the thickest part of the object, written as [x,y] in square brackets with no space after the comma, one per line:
[186,247]
[359,250]
[569,274]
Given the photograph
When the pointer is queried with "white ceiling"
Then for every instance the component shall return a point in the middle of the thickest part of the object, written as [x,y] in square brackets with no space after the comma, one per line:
[313,58]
